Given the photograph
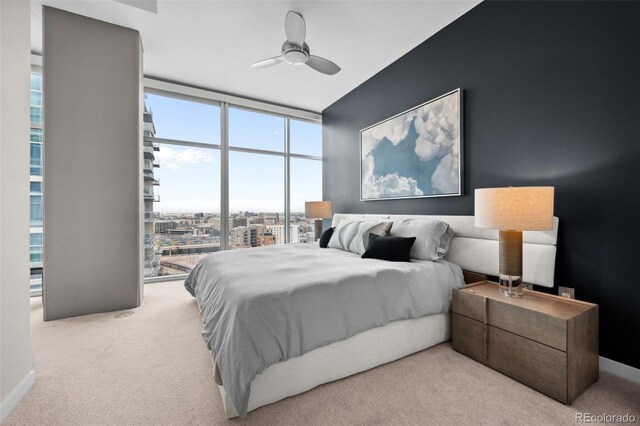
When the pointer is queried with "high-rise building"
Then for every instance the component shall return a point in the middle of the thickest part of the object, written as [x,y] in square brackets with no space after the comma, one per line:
[269,218]
[278,232]
[250,236]
[239,237]
[152,251]
[36,183]
[163,226]
[214,223]
[238,221]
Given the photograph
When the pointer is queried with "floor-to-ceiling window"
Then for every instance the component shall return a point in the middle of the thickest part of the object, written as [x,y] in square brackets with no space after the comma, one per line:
[36,183]
[181,183]
[226,176]
[305,175]
[256,178]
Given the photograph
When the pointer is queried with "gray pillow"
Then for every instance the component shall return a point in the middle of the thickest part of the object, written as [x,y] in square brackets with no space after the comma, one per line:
[432,237]
[353,235]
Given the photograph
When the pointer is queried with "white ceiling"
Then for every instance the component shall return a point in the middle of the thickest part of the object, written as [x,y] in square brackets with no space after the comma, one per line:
[210,44]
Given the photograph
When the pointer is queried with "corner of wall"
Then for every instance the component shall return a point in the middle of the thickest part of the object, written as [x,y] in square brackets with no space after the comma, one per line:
[11,401]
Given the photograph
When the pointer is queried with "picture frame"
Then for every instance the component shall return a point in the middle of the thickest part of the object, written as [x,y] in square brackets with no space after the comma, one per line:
[417,153]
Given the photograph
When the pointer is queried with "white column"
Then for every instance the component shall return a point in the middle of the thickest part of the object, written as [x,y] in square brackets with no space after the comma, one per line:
[92,166]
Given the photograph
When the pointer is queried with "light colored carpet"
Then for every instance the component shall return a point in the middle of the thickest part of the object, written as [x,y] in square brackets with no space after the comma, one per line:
[150,366]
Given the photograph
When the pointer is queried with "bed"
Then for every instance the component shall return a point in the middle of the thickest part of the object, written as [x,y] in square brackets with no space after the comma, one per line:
[298,311]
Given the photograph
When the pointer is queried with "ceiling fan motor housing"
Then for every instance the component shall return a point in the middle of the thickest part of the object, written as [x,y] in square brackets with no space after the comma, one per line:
[294,54]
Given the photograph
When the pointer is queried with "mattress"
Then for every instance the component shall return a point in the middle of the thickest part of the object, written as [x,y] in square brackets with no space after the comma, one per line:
[266,305]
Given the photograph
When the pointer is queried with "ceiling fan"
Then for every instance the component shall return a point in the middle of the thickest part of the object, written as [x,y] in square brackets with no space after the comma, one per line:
[295,51]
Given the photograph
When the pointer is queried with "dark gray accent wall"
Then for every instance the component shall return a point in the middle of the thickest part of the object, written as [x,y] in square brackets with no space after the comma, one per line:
[551,97]
[92,166]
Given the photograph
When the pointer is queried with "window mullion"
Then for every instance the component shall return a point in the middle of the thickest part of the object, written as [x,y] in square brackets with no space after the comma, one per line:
[180,142]
[224,176]
[287,184]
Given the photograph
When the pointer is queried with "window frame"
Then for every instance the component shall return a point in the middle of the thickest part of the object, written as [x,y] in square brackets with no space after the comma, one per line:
[224,101]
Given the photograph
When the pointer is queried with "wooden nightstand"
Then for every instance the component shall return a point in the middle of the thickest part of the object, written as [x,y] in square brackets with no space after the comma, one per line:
[546,342]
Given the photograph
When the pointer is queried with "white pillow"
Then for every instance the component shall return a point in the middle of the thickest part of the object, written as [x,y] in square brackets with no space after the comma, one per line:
[353,235]
[432,237]
[445,242]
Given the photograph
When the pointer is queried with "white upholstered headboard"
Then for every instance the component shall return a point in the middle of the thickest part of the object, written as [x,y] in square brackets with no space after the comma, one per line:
[476,249]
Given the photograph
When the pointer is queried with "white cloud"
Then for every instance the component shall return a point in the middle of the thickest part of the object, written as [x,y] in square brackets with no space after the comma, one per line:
[395,130]
[368,143]
[172,158]
[437,128]
[391,185]
[165,153]
[445,176]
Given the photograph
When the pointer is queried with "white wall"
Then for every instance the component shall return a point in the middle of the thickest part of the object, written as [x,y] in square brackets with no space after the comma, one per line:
[16,360]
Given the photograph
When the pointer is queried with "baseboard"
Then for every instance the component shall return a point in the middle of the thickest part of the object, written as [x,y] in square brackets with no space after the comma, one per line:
[16,395]
[619,369]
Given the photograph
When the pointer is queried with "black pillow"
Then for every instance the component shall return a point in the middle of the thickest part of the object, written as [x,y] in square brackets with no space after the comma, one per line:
[395,249]
[326,236]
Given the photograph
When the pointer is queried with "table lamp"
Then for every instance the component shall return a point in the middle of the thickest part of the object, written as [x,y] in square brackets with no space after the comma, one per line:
[318,210]
[513,210]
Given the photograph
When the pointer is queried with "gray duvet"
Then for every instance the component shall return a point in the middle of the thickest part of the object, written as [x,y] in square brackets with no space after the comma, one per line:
[265,305]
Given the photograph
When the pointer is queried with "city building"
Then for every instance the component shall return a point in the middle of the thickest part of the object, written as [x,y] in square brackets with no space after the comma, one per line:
[251,236]
[266,239]
[163,226]
[269,218]
[36,183]
[238,221]
[278,231]
[152,251]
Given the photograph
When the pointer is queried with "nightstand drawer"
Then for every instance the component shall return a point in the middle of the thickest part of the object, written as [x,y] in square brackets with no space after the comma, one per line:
[534,364]
[467,336]
[468,304]
[538,326]
[512,315]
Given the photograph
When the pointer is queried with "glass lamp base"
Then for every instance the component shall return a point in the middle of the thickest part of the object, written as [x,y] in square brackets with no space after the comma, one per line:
[510,285]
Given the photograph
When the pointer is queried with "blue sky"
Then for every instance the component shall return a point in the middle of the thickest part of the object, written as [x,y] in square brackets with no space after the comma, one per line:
[190,177]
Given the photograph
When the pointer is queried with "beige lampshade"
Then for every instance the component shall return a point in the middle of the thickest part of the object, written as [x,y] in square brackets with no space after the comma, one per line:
[525,208]
[318,209]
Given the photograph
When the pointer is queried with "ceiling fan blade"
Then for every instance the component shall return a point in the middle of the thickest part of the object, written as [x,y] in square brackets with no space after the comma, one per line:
[295,28]
[322,65]
[268,62]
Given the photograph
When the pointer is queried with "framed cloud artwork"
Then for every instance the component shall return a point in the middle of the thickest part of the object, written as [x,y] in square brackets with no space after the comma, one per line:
[415,154]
